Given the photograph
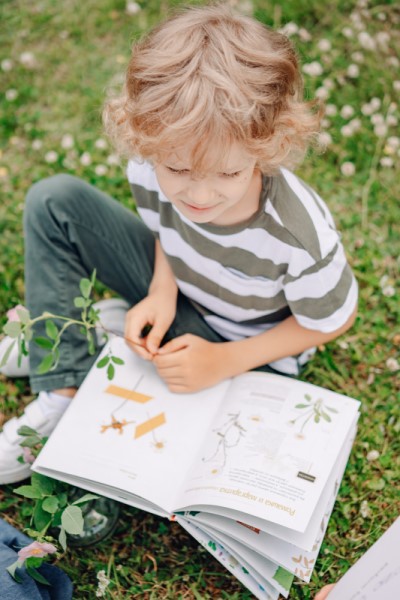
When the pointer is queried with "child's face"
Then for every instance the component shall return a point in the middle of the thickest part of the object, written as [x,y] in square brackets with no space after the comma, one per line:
[224,198]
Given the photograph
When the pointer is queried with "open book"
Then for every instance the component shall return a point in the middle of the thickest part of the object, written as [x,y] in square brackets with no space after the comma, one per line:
[250,467]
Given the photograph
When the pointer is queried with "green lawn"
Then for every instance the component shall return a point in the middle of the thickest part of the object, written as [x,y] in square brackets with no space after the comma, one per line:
[58,60]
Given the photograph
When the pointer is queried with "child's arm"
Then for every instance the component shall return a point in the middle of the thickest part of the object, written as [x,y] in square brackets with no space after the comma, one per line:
[189,363]
[157,309]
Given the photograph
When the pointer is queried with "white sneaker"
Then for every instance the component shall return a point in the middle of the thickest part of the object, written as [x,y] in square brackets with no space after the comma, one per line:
[112,318]
[41,420]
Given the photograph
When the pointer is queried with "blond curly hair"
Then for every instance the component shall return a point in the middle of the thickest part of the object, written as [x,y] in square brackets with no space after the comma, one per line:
[208,77]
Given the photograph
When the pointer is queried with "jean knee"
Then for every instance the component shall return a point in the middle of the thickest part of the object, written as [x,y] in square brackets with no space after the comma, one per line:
[45,196]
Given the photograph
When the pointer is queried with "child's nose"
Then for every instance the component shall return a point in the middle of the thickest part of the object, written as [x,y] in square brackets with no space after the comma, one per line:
[199,192]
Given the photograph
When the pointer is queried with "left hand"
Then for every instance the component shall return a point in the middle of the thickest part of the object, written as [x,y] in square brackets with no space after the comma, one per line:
[324,592]
[190,363]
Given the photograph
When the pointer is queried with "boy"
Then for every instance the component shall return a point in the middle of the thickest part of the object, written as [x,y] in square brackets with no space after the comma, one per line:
[236,263]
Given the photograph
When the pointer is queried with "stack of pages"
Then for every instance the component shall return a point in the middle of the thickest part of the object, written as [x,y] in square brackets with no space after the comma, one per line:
[250,468]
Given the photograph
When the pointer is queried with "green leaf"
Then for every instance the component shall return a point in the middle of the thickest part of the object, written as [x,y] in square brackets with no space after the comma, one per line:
[307,397]
[62,499]
[93,277]
[30,441]
[284,578]
[376,484]
[25,430]
[51,330]
[41,518]
[6,354]
[110,371]
[80,302]
[31,532]
[117,360]
[302,406]
[45,365]
[62,538]
[72,520]
[332,410]
[44,343]
[103,362]
[34,561]
[326,417]
[86,287]
[91,345]
[23,315]
[50,504]
[45,484]
[86,498]
[28,491]
[13,328]
[12,569]
[317,418]
[37,576]
[28,333]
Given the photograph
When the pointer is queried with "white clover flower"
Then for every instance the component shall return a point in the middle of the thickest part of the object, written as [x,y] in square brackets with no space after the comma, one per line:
[346,131]
[355,124]
[100,144]
[37,144]
[324,45]
[314,69]
[365,510]
[382,38]
[372,455]
[353,71]
[113,159]
[396,85]
[347,32]
[346,111]
[343,345]
[380,130]
[367,109]
[101,170]
[347,169]
[11,94]
[7,64]
[381,16]
[393,61]
[383,280]
[392,107]
[392,121]
[325,138]
[304,35]
[325,123]
[322,93]
[392,364]
[366,41]
[388,290]
[51,157]
[331,110]
[377,119]
[289,29]
[104,582]
[85,159]
[393,141]
[132,8]
[358,57]
[28,60]
[67,141]
[328,83]
[375,103]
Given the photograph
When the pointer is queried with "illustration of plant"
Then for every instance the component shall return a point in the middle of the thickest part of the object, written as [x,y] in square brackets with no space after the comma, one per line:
[229,436]
[305,566]
[315,410]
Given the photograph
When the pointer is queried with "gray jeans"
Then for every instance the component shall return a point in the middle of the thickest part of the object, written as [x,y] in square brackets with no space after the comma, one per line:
[72,228]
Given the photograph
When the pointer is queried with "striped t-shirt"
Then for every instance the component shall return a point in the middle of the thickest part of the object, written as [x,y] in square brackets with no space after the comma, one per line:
[287,259]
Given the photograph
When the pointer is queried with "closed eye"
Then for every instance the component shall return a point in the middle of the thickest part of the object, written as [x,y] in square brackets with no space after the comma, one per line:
[177,171]
[235,174]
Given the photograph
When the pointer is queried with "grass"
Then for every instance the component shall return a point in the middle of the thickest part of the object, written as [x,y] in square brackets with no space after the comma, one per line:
[80,50]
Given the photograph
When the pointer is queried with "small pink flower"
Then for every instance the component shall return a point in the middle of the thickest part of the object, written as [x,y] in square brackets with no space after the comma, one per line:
[12,314]
[37,549]
[27,455]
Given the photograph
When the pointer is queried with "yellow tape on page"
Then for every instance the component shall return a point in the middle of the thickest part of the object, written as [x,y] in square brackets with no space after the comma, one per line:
[128,394]
[149,425]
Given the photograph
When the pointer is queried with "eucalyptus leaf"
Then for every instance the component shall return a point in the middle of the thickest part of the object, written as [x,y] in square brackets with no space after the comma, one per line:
[12,329]
[72,520]
[51,330]
[6,354]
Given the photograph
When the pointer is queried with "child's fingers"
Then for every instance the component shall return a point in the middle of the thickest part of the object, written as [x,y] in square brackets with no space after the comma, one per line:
[174,345]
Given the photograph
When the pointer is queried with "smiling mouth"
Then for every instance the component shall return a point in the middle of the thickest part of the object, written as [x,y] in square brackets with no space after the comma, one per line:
[198,208]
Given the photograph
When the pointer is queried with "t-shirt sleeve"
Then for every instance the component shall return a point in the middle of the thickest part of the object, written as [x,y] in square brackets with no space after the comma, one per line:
[324,295]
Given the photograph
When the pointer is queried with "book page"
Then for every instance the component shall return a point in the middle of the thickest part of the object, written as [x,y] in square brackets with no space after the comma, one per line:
[271,450]
[130,433]
[376,575]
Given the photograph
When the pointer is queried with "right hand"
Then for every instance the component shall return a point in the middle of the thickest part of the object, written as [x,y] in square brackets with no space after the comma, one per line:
[156,310]
[324,592]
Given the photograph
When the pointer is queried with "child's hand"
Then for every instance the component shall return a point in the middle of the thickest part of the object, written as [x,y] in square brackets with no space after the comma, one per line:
[324,592]
[155,311]
[189,363]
